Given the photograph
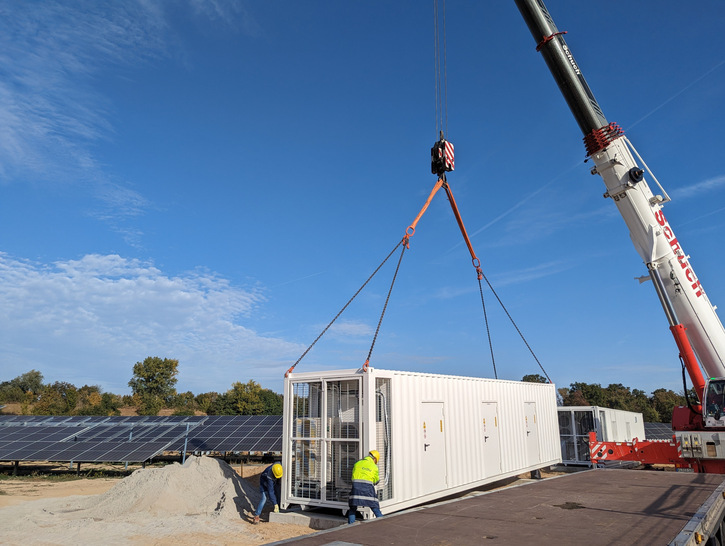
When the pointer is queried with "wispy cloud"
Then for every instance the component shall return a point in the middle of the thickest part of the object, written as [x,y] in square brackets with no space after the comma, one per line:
[230,12]
[690,84]
[699,188]
[350,329]
[540,223]
[51,111]
[94,317]
[537,271]
[50,51]
[525,219]
[508,278]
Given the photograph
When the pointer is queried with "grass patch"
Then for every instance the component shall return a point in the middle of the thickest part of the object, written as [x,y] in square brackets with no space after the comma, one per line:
[37,476]
[52,473]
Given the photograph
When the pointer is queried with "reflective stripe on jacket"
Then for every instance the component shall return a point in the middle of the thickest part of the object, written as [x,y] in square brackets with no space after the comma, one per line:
[364,477]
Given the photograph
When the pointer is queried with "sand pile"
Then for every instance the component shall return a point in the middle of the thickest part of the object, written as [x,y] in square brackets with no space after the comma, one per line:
[201,486]
[201,501]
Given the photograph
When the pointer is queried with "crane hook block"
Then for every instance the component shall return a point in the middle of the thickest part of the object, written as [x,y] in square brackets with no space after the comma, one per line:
[441,157]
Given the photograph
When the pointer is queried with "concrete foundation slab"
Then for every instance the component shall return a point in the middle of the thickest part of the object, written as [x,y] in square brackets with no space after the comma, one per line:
[308,518]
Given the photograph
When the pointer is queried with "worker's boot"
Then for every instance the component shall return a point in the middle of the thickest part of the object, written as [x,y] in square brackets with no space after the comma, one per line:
[256,520]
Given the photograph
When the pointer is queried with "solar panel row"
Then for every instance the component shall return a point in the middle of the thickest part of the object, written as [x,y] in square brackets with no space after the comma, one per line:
[134,439]
[244,433]
[83,420]
[658,431]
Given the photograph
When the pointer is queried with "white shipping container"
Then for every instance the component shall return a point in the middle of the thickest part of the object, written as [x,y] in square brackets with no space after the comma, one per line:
[611,425]
[437,434]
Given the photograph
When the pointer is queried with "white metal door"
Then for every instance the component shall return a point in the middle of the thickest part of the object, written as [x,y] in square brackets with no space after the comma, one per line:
[532,434]
[491,441]
[615,430]
[433,447]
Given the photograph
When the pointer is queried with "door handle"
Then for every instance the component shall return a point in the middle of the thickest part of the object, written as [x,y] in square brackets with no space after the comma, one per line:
[425,447]
[485,438]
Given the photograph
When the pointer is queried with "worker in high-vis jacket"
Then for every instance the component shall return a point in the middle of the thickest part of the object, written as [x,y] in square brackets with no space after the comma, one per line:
[269,486]
[364,479]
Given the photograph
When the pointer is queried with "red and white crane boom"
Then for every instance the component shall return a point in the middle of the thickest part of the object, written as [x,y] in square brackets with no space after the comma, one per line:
[692,318]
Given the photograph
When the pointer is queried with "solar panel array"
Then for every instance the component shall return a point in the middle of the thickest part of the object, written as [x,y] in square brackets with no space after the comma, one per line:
[244,433]
[134,439]
[658,431]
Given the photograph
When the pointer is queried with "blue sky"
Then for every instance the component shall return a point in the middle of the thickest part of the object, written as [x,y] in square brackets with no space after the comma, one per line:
[211,181]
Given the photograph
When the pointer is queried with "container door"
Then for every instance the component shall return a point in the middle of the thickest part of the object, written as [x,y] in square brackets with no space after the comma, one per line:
[491,442]
[433,447]
[567,435]
[584,424]
[613,428]
[532,434]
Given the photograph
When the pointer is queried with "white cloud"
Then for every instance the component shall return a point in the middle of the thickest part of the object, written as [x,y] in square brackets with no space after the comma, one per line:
[510,278]
[706,186]
[534,272]
[90,320]
[52,113]
[230,12]
[350,328]
[49,111]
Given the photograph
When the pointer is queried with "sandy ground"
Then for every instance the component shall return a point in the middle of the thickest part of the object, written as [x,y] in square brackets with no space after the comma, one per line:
[47,512]
[204,502]
[14,492]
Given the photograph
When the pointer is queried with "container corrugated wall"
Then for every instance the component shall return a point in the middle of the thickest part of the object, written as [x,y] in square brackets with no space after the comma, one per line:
[440,434]
[462,400]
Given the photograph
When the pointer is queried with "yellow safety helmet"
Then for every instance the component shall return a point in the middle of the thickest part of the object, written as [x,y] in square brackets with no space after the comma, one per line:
[277,470]
[375,455]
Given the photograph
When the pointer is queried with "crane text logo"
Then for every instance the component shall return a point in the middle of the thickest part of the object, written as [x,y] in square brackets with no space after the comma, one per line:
[571,60]
[681,256]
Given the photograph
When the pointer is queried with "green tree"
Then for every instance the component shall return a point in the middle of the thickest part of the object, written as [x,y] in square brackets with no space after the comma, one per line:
[642,404]
[664,401]
[60,398]
[103,404]
[149,404]
[273,403]
[24,388]
[584,394]
[11,393]
[534,378]
[88,396]
[184,403]
[153,383]
[111,403]
[222,404]
[205,400]
[617,396]
[247,398]
[31,381]
[572,397]
[49,403]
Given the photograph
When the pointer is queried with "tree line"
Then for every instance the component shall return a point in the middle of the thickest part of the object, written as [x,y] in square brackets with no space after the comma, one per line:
[153,386]
[655,408]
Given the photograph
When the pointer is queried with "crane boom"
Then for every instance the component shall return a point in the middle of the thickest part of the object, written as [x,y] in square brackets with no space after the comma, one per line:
[682,295]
